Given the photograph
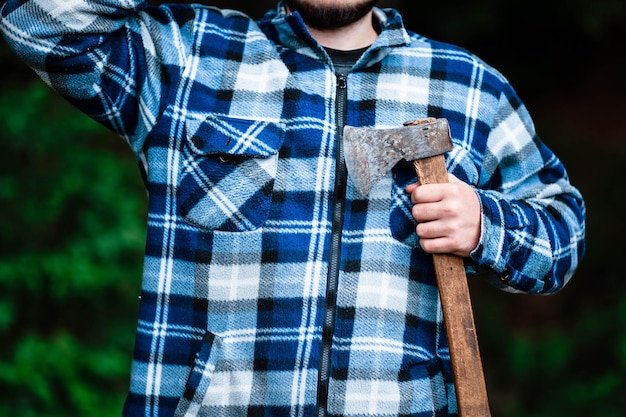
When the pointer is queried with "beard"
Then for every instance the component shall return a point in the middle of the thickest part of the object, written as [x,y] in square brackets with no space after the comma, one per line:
[333,16]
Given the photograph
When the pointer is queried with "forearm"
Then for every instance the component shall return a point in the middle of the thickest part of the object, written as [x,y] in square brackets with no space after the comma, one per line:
[533,245]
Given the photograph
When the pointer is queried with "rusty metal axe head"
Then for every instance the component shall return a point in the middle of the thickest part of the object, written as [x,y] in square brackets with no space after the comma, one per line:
[370,152]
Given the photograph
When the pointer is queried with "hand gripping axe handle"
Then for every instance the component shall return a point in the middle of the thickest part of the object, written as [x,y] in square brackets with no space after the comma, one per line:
[369,154]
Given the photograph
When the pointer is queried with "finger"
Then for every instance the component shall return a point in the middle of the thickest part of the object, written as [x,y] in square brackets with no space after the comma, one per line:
[426,212]
[428,193]
[437,245]
[411,187]
[437,229]
[444,237]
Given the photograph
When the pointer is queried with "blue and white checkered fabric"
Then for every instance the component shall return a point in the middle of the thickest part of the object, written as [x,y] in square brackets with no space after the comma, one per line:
[234,124]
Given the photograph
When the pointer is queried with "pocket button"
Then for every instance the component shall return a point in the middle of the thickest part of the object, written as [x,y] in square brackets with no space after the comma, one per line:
[226,158]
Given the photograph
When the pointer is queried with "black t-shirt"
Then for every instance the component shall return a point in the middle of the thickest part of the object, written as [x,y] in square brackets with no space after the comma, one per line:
[345,60]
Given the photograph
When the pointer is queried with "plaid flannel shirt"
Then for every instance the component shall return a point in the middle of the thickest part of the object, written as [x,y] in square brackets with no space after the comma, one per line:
[234,124]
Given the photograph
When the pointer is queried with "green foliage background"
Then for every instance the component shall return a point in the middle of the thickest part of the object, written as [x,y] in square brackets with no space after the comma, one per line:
[73,211]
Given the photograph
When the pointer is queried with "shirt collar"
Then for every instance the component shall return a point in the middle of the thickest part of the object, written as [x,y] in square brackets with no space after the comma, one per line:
[289,30]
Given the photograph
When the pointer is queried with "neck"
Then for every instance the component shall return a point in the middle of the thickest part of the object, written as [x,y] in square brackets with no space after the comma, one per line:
[359,34]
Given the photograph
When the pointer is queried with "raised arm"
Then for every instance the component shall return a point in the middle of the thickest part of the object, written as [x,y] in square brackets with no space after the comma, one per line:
[107,57]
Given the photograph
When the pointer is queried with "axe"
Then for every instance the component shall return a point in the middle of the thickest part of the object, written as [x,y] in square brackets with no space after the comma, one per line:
[370,154]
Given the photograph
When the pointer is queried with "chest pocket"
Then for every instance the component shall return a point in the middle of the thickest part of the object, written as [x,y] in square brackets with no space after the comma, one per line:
[228,172]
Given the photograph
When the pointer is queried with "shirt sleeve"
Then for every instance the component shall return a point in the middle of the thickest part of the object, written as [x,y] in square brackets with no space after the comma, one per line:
[533,221]
[106,57]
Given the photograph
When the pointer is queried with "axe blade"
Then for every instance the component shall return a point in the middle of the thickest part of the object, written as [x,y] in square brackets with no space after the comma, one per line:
[370,153]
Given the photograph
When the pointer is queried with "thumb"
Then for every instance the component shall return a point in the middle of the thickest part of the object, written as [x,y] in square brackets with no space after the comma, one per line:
[452,178]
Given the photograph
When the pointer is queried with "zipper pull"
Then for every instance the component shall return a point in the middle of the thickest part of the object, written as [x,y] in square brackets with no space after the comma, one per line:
[342,81]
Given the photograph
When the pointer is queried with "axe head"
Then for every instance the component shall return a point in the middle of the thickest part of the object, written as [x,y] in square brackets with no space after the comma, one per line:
[370,152]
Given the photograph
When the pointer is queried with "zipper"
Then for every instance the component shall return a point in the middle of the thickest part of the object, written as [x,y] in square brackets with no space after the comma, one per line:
[334,262]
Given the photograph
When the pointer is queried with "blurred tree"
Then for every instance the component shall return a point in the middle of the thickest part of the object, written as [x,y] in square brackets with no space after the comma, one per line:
[73,211]
[71,239]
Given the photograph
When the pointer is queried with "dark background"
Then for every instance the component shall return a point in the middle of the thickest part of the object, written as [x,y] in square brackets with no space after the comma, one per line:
[73,210]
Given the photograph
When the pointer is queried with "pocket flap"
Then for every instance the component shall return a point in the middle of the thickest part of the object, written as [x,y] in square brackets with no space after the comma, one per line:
[226,135]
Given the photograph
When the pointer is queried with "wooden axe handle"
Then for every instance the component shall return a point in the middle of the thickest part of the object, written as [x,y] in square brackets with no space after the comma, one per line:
[471,391]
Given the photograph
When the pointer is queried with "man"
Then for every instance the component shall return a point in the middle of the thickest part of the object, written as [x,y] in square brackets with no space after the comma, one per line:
[271,287]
